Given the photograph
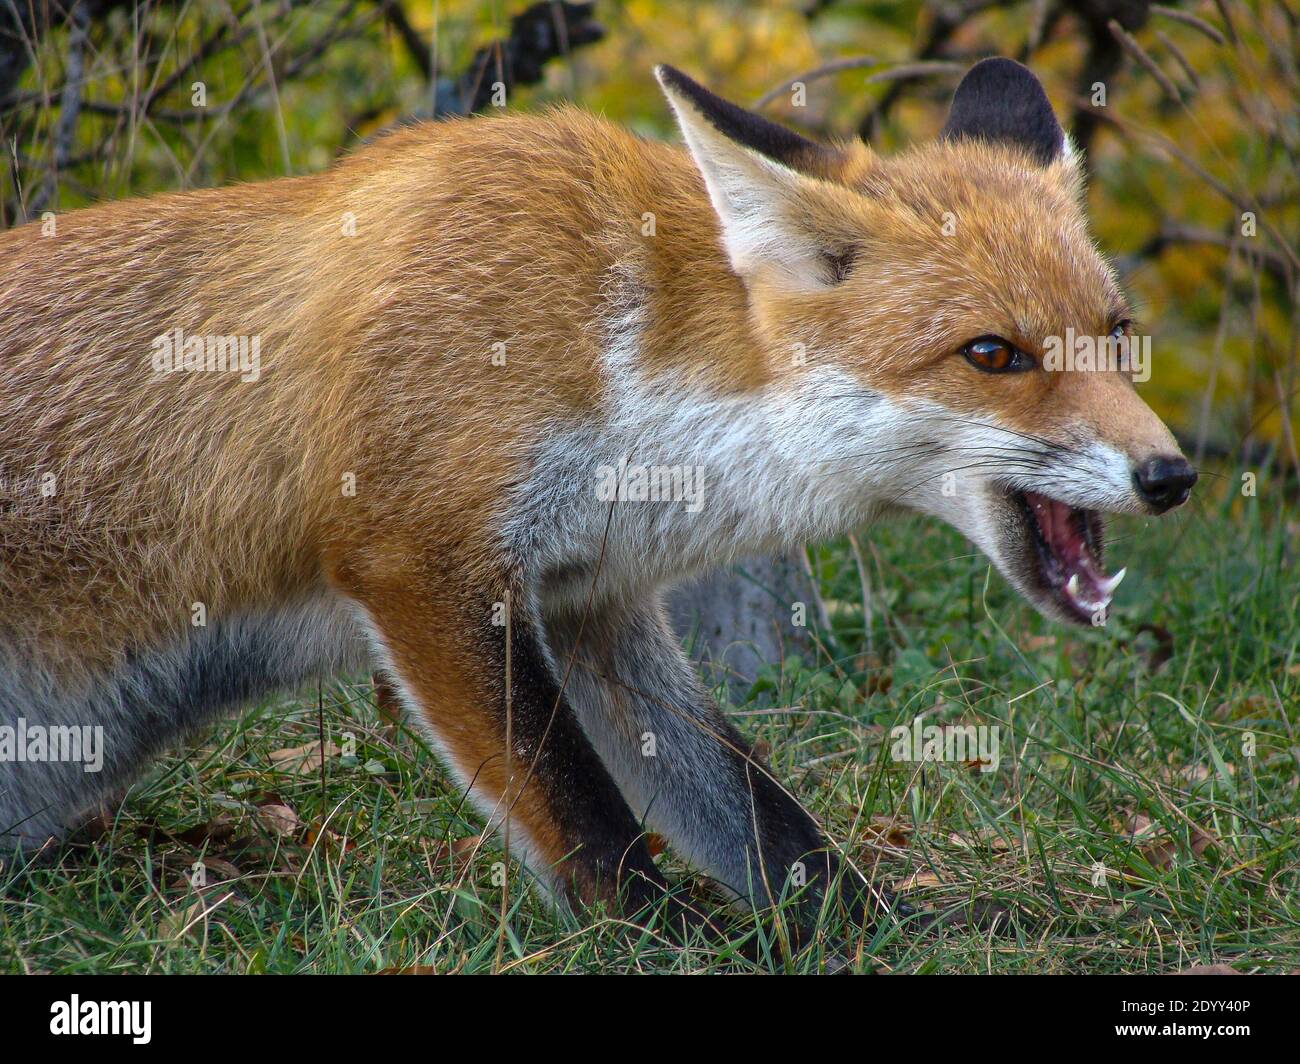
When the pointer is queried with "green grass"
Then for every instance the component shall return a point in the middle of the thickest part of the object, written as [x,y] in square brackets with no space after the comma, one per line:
[1149,718]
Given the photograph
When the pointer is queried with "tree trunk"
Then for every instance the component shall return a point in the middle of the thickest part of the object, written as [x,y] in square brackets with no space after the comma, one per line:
[736,620]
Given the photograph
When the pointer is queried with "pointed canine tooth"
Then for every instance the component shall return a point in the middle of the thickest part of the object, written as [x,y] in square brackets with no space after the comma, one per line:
[1109,585]
[1072,588]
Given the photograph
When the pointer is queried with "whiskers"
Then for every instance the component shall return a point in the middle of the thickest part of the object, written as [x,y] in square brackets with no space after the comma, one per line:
[1010,457]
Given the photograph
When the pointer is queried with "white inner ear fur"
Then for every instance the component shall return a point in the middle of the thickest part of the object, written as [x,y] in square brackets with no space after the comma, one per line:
[756,200]
[1069,153]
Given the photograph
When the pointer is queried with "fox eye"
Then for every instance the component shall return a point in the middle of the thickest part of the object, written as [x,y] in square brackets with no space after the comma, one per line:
[993,354]
[1121,328]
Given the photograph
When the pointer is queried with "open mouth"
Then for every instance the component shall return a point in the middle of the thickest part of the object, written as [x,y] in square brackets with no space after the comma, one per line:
[1068,546]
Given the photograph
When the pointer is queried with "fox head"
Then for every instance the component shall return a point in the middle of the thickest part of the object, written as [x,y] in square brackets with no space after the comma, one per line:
[947,288]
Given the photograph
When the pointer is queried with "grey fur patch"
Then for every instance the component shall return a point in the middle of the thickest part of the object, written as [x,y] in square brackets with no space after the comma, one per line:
[153,699]
[679,763]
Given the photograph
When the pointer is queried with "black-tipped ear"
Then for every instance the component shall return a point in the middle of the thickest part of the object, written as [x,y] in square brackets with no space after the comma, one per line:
[1000,100]
[744,127]
[761,180]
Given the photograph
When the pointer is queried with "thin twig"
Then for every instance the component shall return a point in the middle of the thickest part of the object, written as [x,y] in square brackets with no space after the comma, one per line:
[1188,70]
[1216,356]
[1188,19]
[912,71]
[823,614]
[69,105]
[835,66]
[415,47]
[864,578]
[1130,44]
[1228,27]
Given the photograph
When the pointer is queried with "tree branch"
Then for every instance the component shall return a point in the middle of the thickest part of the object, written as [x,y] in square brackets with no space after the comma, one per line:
[65,130]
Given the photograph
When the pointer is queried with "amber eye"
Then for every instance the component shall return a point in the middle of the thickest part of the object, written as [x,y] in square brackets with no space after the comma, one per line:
[993,354]
[1118,344]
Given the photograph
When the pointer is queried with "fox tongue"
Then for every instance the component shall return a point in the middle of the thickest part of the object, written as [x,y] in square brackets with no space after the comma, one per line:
[1072,565]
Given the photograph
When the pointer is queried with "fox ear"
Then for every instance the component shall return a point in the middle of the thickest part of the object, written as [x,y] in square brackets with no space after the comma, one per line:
[1000,100]
[760,178]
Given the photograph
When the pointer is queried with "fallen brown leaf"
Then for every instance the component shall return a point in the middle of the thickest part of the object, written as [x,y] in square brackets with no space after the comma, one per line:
[984,839]
[1155,844]
[452,849]
[305,759]
[221,828]
[329,839]
[888,830]
[917,880]
[278,818]
[221,866]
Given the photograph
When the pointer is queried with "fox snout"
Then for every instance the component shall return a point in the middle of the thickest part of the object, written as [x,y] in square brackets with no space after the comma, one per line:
[1164,482]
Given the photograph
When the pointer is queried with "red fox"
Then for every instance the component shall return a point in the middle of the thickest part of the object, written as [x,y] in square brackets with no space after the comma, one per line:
[254,435]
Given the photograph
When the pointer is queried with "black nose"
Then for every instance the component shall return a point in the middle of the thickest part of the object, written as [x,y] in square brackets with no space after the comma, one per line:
[1164,482]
